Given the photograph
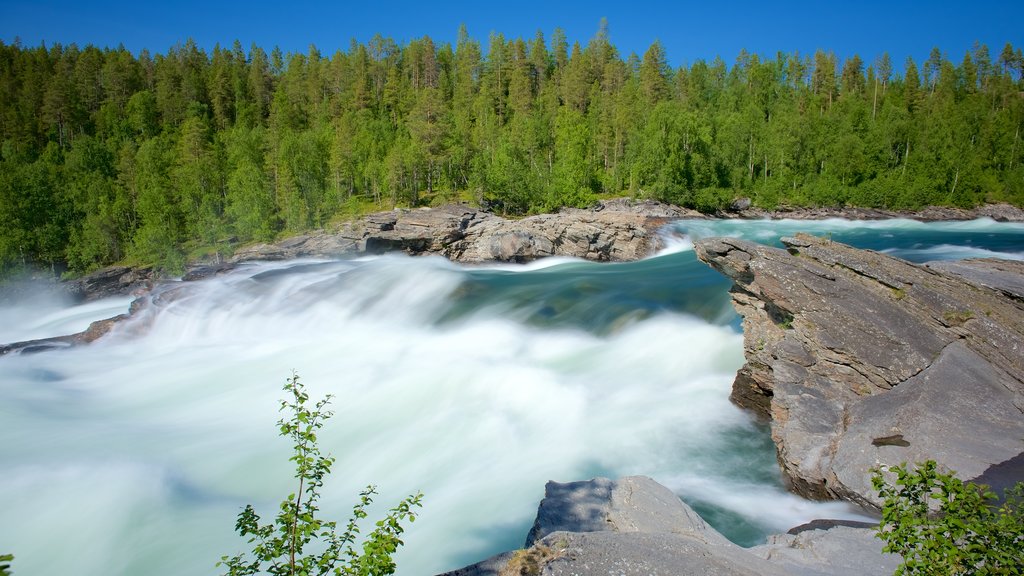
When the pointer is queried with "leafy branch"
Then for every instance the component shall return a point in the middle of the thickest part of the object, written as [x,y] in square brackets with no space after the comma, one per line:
[279,547]
[942,525]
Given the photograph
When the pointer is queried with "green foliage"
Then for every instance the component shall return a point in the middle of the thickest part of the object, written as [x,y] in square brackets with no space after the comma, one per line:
[106,156]
[944,526]
[282,547]
[5,566]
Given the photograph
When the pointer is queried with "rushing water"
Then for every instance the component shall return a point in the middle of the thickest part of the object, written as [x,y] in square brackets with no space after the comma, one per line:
[475,385]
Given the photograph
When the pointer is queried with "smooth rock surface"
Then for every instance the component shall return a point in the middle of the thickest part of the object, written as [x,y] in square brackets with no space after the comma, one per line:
[636,526]
[837,551]
[862,360]
[1007,276]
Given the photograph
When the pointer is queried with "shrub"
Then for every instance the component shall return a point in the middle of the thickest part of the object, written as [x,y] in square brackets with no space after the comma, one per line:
[279,548]
[942,525]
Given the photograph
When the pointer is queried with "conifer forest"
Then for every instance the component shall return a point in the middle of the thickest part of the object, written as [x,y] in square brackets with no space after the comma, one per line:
[156,158]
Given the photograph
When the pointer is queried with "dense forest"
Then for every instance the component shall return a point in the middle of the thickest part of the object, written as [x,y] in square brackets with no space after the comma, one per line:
[110,156]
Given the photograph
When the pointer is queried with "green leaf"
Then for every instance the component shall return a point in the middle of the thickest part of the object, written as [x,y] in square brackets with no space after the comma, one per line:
[282,544]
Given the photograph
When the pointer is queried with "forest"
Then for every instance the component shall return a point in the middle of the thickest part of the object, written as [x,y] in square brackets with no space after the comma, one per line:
[108,156]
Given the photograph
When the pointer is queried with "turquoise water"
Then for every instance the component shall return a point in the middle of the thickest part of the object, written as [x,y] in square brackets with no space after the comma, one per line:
[474,384]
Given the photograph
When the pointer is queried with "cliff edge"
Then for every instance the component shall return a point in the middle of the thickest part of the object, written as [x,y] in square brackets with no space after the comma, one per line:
[862,360]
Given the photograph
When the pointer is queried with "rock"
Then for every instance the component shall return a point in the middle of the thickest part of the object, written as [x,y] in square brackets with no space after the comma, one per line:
[741,204]
[206,270]
[113,281]
[862,360]
[616,230]
[94,332]
[637,526]
[633,504]
[998,212]
[834,551]
[1007,276]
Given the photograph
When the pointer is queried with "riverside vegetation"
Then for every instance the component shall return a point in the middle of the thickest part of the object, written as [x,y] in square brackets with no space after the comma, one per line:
[109,156]
[279,548]
[970,533]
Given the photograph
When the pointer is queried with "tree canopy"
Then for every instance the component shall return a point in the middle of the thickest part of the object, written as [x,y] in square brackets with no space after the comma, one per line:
[110,156]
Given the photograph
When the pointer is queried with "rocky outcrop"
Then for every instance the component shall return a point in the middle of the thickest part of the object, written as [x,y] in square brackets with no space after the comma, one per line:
[637,526]
[93,332]
[998,212]
[862,360]
[112,281]
[617,230]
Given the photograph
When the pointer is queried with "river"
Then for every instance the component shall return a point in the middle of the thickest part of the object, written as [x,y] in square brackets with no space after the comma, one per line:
[472,384]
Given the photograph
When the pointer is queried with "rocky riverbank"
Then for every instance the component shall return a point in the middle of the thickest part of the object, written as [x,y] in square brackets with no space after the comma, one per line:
[637,526]
[997,212]
[863,360]
[858,359]
[610,231]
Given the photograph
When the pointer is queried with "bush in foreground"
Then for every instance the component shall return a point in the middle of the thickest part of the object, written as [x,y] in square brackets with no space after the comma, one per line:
[942,525]
[279,547]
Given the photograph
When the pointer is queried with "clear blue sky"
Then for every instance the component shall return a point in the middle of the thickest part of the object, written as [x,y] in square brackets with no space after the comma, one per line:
[688,30]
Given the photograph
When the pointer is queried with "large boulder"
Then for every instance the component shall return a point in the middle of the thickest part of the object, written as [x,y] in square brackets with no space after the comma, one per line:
[636,526]
[616,230]
[863,360]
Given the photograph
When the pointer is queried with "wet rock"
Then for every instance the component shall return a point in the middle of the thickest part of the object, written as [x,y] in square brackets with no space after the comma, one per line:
[860,359]
[113,281]
[206,270]
[95,331]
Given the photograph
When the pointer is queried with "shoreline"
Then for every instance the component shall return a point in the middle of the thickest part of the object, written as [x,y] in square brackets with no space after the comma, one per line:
[649,209]
[619,229]
[1000,212]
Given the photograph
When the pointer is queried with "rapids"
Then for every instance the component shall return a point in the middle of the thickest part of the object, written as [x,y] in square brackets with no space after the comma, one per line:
[475,385]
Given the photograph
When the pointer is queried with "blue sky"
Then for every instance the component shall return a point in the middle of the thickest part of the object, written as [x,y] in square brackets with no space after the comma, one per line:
[688,30]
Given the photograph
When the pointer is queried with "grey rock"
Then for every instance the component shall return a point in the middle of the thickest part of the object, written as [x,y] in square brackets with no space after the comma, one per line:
[836,551]
[863,360]
[740,204]
[1007,276]
[643,554]
[493,566]
[616,230]
[633,504]
[998,212]
[636,526]
[95,330]
[112,281]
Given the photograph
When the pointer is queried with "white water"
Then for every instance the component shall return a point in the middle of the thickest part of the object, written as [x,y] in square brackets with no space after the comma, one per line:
[134,455]
[909,239]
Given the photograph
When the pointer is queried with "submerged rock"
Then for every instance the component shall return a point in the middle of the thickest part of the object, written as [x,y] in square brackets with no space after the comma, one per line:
[864,360]
[637,526]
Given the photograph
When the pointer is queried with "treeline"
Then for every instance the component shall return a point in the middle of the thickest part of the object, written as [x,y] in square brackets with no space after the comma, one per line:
[107,156]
